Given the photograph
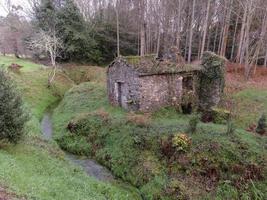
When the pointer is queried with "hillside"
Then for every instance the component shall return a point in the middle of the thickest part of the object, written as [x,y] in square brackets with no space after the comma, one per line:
[36,168]
[137,147]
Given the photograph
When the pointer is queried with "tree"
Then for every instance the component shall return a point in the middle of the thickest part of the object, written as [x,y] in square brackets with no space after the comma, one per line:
[45,16]
[78,39]
[142,8]
[191,31]
[205,28]
[118,28]
[51,44]
[12,114]
[14,30]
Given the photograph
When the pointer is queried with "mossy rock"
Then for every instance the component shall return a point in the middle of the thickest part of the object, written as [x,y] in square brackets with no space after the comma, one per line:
[220,116]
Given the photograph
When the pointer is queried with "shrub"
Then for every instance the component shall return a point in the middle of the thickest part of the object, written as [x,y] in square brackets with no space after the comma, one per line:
[181,142]
[12,116]
[192,125]
[261,128]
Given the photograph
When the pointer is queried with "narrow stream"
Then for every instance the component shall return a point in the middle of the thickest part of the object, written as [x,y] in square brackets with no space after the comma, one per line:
[91,167]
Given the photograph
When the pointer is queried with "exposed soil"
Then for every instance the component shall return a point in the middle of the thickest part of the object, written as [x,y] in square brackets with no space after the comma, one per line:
[5,195]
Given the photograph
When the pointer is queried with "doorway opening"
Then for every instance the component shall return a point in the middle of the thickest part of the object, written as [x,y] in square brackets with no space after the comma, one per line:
[119,92]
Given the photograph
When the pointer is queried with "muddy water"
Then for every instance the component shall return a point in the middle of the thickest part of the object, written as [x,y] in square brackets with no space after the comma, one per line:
[91,167]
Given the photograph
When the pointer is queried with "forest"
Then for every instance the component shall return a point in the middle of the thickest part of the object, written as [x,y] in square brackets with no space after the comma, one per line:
[133,99]
[97,31]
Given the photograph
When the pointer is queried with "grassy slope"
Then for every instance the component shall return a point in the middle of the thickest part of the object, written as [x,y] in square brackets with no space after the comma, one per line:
[251,103]
[36,169]
[27,64]
[132,151]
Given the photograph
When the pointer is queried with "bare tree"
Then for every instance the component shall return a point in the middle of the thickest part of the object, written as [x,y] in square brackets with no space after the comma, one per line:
[142,5]
[48,42]
[205,28]
[118,28]
[191,31]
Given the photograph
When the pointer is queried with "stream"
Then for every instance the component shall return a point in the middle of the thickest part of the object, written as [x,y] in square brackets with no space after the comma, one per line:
[91,167]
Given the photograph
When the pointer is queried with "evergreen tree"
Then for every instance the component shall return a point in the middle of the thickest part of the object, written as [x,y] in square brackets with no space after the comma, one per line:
[12,117]
[45,16]
[76,36]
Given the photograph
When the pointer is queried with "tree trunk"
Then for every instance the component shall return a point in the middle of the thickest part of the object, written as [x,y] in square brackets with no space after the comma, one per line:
[241,39]
[215,39]
[226,29]
[191,31]
[234,37]
[118,29]
[142,31]
[178,37]
[158,42]
[265,60]
[205,29]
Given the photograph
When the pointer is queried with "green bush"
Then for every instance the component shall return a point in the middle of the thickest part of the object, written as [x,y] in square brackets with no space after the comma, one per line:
[261,128]
[12,116]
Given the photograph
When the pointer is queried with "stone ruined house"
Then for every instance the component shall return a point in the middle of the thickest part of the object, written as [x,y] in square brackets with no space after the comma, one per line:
[146,84]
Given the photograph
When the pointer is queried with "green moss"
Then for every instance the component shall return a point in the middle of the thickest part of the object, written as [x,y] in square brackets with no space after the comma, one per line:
[211,80]
[219,115]
[148,65]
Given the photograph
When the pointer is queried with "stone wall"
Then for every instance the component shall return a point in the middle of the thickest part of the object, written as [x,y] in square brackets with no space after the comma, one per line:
[122,75]
[158,91]
[211,81]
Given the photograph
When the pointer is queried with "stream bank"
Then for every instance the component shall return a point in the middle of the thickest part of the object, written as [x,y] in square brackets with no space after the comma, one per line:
[91,167]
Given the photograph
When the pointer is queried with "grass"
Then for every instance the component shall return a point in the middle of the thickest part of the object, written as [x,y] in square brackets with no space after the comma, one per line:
[135,152]
[80,74]
[251,103]
[33,172]
[36,169]
[27,64]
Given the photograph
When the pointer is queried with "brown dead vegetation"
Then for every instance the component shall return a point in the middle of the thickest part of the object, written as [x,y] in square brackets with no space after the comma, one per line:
[142,120]
[235,80]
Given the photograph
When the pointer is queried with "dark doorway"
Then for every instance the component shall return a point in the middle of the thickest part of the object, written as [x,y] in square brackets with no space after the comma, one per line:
[187,108]
[119,93]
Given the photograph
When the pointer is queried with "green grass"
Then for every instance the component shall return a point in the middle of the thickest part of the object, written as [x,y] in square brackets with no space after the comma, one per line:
[26,64]
[33,172]
[36,169]
[251,103]
[133,150]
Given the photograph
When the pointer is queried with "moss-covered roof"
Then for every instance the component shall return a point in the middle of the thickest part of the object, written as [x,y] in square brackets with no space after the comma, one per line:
[148,65]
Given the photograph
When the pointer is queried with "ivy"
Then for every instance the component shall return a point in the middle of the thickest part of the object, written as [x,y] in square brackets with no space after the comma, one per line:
[211,80]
